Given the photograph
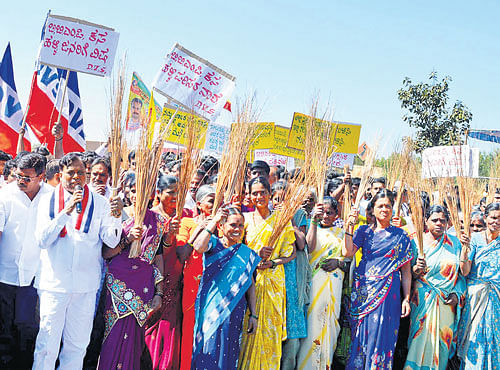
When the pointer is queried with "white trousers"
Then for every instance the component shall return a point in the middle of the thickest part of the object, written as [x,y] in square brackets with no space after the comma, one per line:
[66,315]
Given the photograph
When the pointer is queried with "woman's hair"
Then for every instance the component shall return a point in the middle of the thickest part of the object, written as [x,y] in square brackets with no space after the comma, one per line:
[491,207]
[165,181]
[477,214]
[383,193]
[233,211]
[332,202]
[277,186]
[129,180]
[259,180]
[436,208]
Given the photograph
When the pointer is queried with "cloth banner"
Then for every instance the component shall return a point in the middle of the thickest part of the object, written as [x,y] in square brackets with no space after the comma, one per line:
[486,135]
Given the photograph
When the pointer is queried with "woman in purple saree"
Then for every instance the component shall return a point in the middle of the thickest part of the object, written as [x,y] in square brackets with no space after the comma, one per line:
[375,299]
[133,291]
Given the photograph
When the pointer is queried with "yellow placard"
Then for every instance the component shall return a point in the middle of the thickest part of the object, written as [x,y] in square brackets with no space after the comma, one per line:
[345,136]
[280,144]
[264,136]
[177,132]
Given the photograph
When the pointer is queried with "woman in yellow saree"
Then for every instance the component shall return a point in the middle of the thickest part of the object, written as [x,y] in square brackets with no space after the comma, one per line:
[262,349]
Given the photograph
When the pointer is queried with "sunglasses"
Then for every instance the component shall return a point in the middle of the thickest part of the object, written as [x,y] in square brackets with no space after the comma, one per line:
[26,179]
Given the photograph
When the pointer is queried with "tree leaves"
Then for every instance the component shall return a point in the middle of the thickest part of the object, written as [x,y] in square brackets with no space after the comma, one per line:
[426,106]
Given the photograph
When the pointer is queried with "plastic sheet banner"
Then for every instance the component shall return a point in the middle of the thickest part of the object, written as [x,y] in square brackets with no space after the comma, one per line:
[78,45]
[194,83]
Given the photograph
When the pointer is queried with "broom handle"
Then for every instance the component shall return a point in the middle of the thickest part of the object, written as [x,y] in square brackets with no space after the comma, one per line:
[399,197]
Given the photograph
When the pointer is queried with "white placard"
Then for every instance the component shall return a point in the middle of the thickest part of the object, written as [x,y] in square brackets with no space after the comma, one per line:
[273,159]
[450,161]
[216,139]
[341,159]
[194,83]
[78,45]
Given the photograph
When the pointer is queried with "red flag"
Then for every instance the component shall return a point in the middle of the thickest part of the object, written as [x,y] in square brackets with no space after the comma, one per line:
[11,113]
[227,106]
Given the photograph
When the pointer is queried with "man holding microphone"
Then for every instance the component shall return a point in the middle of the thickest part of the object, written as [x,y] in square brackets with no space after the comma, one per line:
[72,223]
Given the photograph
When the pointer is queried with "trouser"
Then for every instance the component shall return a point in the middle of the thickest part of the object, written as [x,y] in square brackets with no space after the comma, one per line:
[18,322]
[66,315]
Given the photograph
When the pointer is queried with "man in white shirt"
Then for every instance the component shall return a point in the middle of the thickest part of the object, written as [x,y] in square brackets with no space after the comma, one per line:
[70,264]
[20,256]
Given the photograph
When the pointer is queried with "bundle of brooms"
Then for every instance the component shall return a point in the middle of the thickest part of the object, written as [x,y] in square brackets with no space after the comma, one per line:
[319,146]
[147,158]
[295,193]
[116,141]
[414,192]
[190,161]
[231,176]
[404,162]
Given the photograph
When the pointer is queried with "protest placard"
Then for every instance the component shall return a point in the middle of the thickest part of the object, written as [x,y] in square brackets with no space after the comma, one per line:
[78,45]
[264,136]
[177,133]
[339,160]
[273,159]
[344,135]
[450,161]
[216,139]
[138,102]
[194,83]
[280,144]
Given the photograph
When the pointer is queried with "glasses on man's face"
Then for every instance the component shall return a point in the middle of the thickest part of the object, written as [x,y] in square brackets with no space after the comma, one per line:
[26,179]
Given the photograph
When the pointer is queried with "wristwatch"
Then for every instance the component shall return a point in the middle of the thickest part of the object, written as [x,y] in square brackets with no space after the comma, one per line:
[273,264]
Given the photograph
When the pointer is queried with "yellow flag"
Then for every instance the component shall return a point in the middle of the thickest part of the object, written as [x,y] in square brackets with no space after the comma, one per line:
[151,120]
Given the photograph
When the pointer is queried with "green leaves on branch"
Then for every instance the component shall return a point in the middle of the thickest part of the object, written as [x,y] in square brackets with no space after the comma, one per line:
[427,110]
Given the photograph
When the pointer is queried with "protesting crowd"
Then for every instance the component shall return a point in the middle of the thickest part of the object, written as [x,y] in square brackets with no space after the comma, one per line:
[231,283]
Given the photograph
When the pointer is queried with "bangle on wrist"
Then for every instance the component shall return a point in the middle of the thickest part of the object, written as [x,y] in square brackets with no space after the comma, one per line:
[209,231]
[349,234]
[314,222]
[254,316]
[273,264]
[58,139]
[159,294]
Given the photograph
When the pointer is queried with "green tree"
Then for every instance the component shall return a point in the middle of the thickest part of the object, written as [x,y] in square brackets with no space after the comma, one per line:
[427,110]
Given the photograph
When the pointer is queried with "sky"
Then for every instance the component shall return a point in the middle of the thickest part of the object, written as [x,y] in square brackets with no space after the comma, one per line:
[353,54]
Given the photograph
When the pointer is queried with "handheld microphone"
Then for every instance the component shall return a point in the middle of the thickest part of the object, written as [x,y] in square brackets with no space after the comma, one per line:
[79,204]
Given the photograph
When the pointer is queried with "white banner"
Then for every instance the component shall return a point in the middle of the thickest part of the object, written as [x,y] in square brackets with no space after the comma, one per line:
[273,159]
[450,161]
[216,139]
[341,159]
[194,83]
[78,45]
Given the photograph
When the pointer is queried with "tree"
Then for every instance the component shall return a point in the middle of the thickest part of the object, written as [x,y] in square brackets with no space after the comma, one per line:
[427,111]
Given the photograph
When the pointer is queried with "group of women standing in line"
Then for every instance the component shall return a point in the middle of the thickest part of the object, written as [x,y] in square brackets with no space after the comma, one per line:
[200,284]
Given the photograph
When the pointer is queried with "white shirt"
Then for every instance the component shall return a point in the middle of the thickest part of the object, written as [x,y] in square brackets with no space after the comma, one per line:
[72,264]
[107,193]
[19,252]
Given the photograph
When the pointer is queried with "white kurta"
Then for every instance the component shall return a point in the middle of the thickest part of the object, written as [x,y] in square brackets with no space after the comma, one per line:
[19,252]
[70,274]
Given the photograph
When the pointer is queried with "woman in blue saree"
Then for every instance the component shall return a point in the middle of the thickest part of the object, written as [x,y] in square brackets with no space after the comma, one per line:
[479,330]
[226,289]
[438,295]
[375,299]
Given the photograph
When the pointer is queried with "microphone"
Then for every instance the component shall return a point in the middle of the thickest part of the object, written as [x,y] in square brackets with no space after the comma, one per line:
[79,204]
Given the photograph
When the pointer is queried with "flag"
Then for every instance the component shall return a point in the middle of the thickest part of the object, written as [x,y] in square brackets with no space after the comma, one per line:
[227,106]
[485,135]
[11,113]
[46,96]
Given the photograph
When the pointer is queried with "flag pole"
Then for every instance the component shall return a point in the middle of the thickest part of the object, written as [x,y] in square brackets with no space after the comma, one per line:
[63,97]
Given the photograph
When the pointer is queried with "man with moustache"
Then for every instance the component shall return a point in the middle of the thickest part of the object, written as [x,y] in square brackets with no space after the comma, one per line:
[72,224]
[100,172]
[19,257]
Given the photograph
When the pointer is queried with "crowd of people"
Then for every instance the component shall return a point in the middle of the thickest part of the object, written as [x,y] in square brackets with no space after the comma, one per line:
[82,285]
